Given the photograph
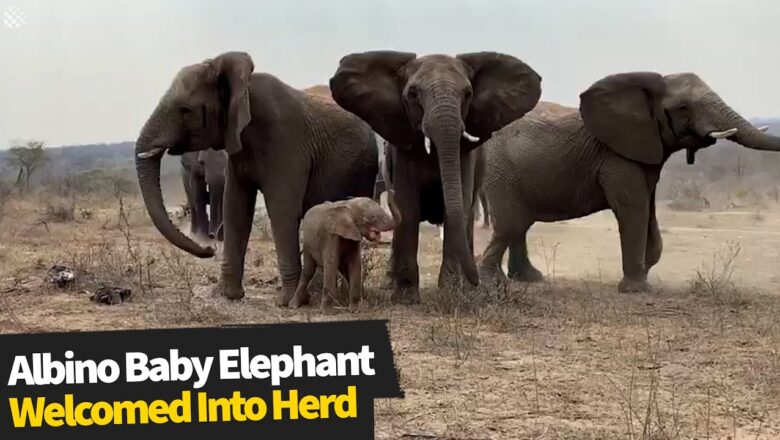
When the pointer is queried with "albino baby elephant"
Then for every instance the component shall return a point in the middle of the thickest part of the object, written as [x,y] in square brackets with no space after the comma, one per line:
[332,232]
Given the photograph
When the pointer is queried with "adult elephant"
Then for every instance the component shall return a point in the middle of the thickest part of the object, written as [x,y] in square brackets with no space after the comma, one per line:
[436,111]
[559,163]
[203,176]
[298,149]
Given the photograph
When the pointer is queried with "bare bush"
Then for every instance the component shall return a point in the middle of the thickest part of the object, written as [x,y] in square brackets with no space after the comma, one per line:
[5,198]
[374,272]
[688,195]
[453,333]
[746,198]
[714,280]
[60,211]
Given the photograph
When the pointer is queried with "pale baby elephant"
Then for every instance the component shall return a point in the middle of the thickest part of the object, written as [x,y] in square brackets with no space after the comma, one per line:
[332,232]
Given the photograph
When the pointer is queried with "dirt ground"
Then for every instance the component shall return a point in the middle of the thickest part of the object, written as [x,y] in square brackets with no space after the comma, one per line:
[566,358]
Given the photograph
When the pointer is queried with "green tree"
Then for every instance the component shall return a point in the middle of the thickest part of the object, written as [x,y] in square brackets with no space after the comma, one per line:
[28,156]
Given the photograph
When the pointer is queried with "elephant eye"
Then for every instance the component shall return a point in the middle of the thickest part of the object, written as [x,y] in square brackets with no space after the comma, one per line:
[185,110]
[412,92]
[468,93]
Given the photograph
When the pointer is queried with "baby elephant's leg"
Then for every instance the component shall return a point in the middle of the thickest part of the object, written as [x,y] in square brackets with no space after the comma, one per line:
[301,296]
[330,272]
[355,269]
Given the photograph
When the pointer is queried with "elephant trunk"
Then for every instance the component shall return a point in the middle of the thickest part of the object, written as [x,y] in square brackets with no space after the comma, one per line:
[747,134]
[147,165]
[444,125]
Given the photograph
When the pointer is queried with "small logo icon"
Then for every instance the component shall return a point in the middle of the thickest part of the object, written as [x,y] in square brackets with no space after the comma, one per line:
[13,17]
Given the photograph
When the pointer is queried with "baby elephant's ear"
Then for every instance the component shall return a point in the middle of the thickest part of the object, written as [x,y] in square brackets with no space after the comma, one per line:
[340,222]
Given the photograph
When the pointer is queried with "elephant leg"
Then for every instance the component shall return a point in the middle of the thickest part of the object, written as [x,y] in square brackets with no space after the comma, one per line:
[403,259]
[302,296]
[490,268]
[330,274]
[355,277]
[633,225]
[520,267]
[284,201]
[185,180]
[654,241]
[450,273]
[215,210]
[239,201]
[197,197]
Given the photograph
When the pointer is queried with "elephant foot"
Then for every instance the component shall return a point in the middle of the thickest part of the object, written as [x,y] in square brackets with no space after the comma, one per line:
[284,298]
[451,276]
[492,275]
[298,302]
[529,274]
[228,291]
[405,295]
[628,285]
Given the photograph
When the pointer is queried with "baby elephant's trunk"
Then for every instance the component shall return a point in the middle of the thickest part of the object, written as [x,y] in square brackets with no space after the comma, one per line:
[393,207]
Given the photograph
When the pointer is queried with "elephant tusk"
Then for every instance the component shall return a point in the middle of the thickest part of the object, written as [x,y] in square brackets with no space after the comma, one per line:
[763,128]
[723,134]
[427,145]
[469,137]
[151,153]
[441,233]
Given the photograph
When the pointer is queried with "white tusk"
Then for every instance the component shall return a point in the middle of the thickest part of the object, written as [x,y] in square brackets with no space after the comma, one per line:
[151,153]
[427,145]
[723,134]
[763,128]
[469,137]
[441,233]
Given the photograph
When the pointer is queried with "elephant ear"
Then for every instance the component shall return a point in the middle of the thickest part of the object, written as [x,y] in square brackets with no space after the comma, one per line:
[622,111]
[505,89]
[234,70]
[370,85]
[340,222]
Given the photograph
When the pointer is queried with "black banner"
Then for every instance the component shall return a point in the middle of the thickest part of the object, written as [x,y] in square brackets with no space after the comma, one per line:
[278,381]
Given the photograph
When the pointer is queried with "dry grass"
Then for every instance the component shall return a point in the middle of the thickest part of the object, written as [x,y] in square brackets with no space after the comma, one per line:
[565,358]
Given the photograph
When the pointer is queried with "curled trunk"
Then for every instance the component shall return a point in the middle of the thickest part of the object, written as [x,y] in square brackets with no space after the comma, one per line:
[148,170]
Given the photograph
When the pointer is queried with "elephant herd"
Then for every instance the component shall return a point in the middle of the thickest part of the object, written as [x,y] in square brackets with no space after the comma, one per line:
[458,130]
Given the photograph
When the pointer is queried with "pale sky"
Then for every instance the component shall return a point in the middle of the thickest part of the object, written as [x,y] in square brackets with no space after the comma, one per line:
[89,71]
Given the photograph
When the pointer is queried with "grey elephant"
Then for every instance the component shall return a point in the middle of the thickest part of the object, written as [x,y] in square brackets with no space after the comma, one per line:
[203,176]
[435,111]
[559,163]
[298,149]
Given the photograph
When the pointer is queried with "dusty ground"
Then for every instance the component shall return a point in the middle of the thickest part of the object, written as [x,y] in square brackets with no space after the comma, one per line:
[566,358]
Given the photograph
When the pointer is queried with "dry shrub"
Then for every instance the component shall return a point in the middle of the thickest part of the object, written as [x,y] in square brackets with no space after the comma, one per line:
[60,211]
[688,195]
[373,263]
[5,197]
[454,334]
[746,198]
[714,280]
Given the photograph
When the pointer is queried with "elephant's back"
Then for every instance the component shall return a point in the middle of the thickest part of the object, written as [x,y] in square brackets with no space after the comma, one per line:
[546,160]
[344,153]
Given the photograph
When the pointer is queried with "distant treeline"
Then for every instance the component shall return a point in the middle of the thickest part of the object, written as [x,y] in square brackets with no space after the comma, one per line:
[723,161]
[75,159]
